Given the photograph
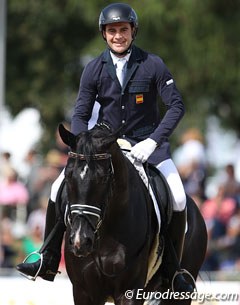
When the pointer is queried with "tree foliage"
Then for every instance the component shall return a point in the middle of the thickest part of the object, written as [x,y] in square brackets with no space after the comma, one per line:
[48,43]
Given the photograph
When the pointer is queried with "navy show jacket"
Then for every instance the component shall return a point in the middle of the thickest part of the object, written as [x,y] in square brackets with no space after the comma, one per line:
[134,106]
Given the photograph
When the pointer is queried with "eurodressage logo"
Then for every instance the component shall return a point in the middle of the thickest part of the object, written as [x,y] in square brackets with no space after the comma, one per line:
[201,298]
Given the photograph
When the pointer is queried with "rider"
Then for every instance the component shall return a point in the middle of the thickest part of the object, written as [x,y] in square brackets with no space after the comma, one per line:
[134,107]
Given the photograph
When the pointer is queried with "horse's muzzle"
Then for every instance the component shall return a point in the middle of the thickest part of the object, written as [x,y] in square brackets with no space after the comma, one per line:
[81,247]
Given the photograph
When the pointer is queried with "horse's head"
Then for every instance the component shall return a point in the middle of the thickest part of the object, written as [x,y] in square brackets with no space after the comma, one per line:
[89,180]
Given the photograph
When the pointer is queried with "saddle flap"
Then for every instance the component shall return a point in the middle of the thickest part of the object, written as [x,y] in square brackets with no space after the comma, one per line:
[162,193]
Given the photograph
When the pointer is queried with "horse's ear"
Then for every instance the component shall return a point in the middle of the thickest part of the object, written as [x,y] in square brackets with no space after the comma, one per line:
[67,137]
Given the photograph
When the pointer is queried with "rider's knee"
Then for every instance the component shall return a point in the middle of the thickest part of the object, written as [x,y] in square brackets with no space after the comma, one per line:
[179,200]
[53,194]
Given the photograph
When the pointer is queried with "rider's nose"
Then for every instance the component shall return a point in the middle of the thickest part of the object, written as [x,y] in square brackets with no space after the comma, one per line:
[118,35]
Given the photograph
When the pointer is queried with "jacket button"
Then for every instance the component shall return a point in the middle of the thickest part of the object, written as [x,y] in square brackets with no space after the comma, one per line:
[123,121]
[123,107]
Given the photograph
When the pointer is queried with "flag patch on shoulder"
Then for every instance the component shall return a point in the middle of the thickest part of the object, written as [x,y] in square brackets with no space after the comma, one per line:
[139,98]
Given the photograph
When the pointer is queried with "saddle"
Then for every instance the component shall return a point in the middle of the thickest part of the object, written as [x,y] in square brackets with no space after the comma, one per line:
[162,194]
[163,197]
[158,183]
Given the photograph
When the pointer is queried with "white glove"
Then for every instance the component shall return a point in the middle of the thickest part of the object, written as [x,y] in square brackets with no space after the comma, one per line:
[142,150]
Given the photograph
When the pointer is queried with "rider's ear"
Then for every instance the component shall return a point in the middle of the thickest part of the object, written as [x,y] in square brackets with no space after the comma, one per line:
[67,137]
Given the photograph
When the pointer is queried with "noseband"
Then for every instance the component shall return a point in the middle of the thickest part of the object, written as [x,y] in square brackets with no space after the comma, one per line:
[85,210]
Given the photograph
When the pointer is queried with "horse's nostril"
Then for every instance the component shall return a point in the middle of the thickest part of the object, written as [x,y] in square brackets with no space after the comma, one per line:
[89,243]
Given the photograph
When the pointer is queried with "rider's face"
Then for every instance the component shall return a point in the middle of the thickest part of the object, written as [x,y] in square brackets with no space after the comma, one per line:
[118,36]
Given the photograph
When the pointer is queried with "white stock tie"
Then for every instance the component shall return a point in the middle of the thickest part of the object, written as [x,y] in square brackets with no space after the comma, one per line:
[120,69]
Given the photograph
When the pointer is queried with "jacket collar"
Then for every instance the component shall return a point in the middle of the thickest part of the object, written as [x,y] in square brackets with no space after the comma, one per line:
[136,55]
[133,63]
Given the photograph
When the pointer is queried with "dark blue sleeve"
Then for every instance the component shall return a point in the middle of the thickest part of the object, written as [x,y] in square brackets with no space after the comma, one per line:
[85,101]
[171,97]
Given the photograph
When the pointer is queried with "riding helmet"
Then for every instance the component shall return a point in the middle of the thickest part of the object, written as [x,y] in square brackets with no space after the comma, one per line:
[118,12]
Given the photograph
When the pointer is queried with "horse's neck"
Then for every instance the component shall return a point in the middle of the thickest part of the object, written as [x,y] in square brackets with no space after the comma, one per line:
[119,196]
[121,169]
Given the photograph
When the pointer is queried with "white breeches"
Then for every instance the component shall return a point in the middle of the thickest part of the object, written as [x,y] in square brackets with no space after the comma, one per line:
[56,185]
[170,172]
[166,167]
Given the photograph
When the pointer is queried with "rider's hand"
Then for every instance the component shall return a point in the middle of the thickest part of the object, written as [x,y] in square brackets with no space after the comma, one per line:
[142,150]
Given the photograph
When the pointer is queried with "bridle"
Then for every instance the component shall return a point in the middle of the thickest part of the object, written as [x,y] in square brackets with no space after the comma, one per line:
[102,156]
[90,210]
[86,210]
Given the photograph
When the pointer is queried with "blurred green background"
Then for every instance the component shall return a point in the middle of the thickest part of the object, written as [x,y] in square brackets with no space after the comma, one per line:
[49,42]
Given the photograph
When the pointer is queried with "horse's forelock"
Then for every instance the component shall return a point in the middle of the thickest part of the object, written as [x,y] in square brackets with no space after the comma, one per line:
[100,131]
[85,144]
[92,141]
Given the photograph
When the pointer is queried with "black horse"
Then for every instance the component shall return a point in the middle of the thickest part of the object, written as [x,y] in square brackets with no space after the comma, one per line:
[112,226]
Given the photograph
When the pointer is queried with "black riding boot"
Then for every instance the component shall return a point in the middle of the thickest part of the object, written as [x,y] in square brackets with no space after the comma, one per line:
[176,231]
[51,255]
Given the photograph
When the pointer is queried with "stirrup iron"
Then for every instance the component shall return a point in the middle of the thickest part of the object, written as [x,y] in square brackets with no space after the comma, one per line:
[30,277]
[183,271]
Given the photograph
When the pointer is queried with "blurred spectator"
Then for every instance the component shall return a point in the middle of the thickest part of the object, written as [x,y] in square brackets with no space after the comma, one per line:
[5,164]
[43,177]
[220,207]
[42,173]
[37,217]
[232,186]
[233,232]
[190,159]
[217,213]
[33,163]
[35,230]
[13,194]
[7,245]
[56,158]
[226,248]
[33,240]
